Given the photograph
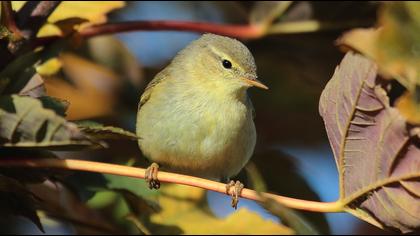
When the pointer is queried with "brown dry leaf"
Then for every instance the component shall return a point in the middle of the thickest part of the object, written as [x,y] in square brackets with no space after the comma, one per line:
[34,88]
[59,202]
[93,11]
[185,207]
[93,92]
[376,151]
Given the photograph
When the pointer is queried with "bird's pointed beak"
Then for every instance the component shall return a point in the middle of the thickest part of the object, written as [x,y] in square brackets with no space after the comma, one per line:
[254,82]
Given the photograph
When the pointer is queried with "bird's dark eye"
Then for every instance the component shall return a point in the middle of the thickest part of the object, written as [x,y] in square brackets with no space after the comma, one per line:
[227,64]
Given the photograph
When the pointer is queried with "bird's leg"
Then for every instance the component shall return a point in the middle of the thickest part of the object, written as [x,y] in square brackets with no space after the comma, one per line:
[151,176]
[237,188]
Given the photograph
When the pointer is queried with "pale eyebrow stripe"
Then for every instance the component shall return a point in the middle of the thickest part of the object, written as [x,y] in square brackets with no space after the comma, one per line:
[221,55]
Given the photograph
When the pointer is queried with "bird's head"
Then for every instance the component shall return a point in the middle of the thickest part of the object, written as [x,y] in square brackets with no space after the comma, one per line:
[220,61]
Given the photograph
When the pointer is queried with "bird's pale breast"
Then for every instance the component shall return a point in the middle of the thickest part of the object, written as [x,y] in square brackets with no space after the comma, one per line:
[211,135]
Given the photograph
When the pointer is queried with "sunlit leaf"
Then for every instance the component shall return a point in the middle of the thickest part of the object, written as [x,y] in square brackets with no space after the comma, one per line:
[406,104]
[93,11]
[376,152]
[50,67]
[361,40]
[91,92]
[185,207]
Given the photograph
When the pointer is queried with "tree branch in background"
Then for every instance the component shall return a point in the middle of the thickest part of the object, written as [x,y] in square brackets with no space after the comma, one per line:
[128,171]
[240,31]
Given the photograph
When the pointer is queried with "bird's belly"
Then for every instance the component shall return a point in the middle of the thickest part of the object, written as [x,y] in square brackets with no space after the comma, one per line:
[200,142]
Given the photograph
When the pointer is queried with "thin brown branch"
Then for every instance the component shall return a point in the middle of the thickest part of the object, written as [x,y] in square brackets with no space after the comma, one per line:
[240,31]
[169,178]
[30,18]
[8,18]
[33,15]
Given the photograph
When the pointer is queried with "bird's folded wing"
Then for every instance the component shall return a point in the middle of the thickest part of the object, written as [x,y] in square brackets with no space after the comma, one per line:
[149,89]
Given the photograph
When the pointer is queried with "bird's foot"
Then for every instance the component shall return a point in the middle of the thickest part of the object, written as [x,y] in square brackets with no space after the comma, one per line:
[151,176]
[237,189]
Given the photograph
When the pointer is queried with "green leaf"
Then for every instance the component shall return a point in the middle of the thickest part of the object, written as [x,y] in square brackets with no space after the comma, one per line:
[186,207]
[137,186]
[25,122]
[100,131]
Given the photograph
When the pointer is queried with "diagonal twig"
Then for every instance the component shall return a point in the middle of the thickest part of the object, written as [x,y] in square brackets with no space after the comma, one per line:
[33,15]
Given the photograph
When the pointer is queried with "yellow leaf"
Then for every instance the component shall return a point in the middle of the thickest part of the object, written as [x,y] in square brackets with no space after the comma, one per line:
[92,91]
[185,207]
[361,40]
[112,53]
[408,108]
[94,11]
[49,68]
[395,46]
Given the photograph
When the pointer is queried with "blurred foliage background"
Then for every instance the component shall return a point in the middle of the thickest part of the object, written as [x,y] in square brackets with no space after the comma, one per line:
[102,78]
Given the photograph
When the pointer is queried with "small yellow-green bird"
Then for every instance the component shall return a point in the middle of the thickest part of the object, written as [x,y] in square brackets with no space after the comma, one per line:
[195,116]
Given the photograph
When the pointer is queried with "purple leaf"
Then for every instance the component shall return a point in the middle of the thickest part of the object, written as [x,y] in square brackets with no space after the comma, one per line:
[377,153]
